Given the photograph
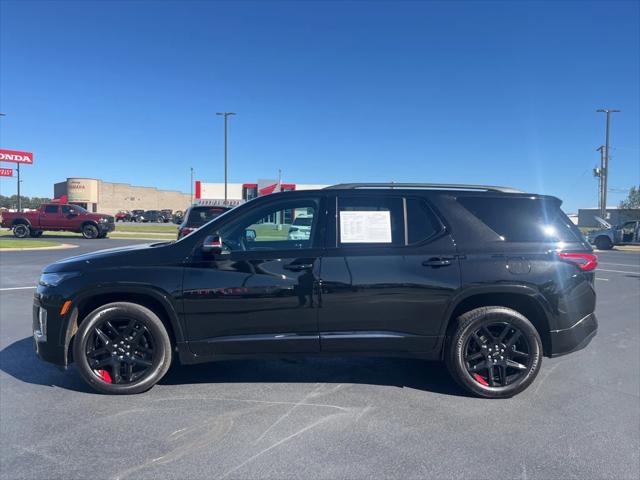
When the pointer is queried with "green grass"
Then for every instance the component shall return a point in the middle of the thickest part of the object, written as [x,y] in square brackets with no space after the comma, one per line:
[21,243]
[269,231]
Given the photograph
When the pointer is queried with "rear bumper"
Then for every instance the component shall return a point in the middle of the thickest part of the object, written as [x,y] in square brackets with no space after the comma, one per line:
[574,338]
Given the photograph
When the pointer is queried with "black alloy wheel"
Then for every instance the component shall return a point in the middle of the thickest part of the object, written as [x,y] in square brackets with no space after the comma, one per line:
[21,231]
[122,348]
[494,352]
[90,231]
[497,354]
[120,351]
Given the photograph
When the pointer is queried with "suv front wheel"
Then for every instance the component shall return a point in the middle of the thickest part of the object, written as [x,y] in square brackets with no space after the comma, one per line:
[122,348]
[495,352]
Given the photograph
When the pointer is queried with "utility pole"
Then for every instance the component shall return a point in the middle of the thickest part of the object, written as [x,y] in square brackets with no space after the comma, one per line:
[597,172]
[191,185]
[607,157]
[225,115]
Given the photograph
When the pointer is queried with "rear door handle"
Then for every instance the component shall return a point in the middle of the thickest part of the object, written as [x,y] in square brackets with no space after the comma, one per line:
[437,262]
[298,267]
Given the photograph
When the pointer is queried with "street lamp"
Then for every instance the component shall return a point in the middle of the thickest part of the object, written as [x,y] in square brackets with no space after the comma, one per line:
[225,115]
[605,168]
[191,185]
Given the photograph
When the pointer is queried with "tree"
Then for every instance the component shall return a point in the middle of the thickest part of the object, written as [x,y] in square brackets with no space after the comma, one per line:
[12,201]
[633,200]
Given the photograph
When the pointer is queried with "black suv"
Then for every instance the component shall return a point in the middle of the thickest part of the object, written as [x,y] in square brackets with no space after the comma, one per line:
[487,279]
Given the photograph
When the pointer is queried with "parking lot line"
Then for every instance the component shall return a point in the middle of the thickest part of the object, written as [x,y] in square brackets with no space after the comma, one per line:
[620,264]
[603,279]
[16,288]
[617,271]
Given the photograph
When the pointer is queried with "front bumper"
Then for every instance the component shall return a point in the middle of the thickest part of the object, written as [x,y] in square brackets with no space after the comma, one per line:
[49,339]
[106,227]
[574,338]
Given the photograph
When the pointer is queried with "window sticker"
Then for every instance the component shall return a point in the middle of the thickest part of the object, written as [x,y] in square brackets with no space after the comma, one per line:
[365,227]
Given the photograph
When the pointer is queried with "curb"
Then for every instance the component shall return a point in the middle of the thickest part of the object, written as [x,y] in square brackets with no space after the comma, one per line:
[62,246]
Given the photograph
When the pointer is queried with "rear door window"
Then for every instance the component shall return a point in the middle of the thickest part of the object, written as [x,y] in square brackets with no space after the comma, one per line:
[523,219]
[422,224]
[51,209]
[370,221]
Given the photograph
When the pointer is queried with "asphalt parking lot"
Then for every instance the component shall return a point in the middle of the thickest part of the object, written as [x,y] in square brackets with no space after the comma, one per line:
[324,418]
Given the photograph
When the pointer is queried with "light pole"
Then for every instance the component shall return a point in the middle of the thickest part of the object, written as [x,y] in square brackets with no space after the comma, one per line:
[605,169]
[225,115]
[191,186]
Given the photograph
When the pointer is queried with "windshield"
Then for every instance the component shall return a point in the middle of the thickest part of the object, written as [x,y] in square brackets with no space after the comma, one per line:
[79,209]
[303,221]
[200,215]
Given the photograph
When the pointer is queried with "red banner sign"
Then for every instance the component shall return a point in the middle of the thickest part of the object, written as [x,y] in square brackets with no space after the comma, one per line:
[16,157]
[6,172]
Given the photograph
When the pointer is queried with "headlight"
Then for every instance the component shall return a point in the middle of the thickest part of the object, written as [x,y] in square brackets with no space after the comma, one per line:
[104,220]
[53,279]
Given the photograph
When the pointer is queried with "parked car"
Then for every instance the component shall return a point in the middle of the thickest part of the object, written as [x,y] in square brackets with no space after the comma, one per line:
[155,216]
[123,216]
[301,227]
[167,214]
[625,234]
[178,217]
[197,216]
[488,279]
[135,215]
[58,217]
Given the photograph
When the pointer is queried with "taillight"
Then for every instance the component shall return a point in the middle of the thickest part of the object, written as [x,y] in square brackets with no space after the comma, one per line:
[185,231]
[584,261]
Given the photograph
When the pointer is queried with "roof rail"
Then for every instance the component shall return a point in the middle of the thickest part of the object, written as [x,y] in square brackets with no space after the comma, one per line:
[431,186]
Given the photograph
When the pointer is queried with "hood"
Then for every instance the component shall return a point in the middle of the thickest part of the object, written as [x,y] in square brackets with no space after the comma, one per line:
[115,257]
[603,222]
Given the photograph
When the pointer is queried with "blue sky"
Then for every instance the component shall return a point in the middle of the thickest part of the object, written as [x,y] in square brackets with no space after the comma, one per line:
[464,92]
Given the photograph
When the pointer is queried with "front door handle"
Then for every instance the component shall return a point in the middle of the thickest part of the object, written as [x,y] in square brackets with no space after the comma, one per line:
[437,262]
[298,267]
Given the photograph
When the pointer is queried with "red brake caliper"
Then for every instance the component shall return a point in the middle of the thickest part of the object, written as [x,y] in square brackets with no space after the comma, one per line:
[105,376]
[478,378]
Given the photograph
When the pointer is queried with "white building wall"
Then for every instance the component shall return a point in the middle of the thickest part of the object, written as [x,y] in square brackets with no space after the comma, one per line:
[216,190]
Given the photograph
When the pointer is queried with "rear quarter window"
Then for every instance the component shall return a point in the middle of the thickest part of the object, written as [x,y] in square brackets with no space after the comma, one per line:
[523,219]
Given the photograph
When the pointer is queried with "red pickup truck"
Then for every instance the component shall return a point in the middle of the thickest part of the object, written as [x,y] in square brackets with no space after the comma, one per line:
[58,217]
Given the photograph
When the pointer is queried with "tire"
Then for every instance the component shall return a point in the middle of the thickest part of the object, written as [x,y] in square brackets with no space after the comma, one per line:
[603,243]
[160,220]
[35,233]
[21,231]
[477,333]
[103,235]
[90,231]
[122,372]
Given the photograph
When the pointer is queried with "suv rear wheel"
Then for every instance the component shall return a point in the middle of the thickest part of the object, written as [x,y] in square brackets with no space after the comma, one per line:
[495,352]
[122,348]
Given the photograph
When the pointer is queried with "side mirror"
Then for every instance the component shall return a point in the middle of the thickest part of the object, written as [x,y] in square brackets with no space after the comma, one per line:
[212,245]
[250,235]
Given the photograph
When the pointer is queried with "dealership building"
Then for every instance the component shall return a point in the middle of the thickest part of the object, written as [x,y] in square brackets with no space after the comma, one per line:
[106,197]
